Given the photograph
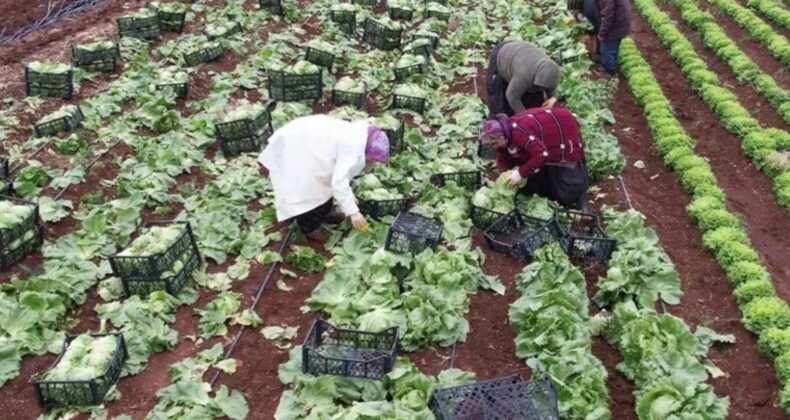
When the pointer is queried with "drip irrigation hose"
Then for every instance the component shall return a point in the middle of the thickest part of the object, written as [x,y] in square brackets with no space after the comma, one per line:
[30,156]
[56,11]
[452,355]
[258,296]
[87,168]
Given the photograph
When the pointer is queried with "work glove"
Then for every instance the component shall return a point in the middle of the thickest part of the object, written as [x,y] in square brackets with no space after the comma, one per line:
[359,222]
[550,102]
[514,178]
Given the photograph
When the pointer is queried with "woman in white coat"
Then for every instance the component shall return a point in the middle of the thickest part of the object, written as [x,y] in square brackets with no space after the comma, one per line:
[311,161]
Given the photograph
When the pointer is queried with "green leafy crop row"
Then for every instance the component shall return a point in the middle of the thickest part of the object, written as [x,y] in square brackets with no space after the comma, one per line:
[763,312]
[774,10]
[776,43]
[728,51]
[766,147]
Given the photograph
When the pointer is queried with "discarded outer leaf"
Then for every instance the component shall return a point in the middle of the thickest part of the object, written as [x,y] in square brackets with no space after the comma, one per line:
[288,273]
[283,286]
[639,164]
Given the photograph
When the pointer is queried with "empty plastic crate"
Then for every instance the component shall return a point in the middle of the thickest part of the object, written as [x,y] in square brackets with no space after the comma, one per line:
[412,233]
[380,208]
[85,392]
[520,236]
[329,350]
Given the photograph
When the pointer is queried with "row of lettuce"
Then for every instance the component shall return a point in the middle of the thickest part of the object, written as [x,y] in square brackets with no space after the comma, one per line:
[764,313]
[765,146]
[776,43]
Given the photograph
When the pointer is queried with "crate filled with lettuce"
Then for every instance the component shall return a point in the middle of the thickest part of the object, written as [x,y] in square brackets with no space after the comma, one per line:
[583,238]
[161,258]
[300,82]
[244,129]
[437,11]
[410,97]
[97,56]
[87,367]
[49,79]
[510,397]
[411,233]
[419,46]
[430,36]
[222,28]
[401,9]
[461,171]
[171,15]
[65,119]
[491,202]
[5,181]
[199,49]
[520,235]
[375,199]
[174,80]
[382,33]
[366,3]
[274,7]
[410,64]
[394,127]
[344,15]
[143,25]
[321,53]
[21,230]
[348,91]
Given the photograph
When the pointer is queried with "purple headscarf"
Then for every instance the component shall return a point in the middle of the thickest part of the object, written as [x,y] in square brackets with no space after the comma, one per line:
[496,126]
[378,147]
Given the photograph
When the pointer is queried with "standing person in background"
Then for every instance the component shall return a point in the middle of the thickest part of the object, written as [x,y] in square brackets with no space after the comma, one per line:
[520,76]
[614,24]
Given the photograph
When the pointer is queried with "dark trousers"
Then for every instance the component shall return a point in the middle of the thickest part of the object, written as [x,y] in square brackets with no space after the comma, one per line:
[496,88]
[314,218]
[610,52]
[567,186]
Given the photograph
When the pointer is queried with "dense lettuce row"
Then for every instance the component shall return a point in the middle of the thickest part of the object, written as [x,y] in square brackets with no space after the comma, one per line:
[724,47]
[766,147]
[774,10]
[723,233]
[776,43]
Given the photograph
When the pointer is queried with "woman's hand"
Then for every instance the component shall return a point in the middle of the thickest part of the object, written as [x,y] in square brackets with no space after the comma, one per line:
[359,222]
[550,102]
[514,178]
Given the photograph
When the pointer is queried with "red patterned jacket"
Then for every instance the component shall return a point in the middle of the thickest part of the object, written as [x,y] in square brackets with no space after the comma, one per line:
[539,136]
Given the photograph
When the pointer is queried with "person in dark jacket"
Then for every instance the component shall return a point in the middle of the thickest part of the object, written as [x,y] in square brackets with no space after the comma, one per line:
[543,146]
[614,24]
[520,76]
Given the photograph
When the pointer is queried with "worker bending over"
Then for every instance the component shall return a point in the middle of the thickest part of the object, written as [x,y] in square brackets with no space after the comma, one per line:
[520,76]
[543,146]
[311,161]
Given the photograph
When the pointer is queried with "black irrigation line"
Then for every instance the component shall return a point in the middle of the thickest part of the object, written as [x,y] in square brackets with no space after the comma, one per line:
[57,10]
[30,156]
[87,168]
[258,296]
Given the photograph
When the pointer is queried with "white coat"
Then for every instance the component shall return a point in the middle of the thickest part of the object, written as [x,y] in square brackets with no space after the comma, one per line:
[312,159]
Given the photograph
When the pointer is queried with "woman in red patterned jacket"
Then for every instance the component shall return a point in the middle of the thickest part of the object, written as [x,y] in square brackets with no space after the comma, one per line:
[543,146]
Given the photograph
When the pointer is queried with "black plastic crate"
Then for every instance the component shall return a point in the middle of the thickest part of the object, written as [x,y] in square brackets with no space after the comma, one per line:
[399,13]
[244,136]
[395,137]
[204,55]
[482,218]
[49,85]
[380,208]
[329,350]
[366,3]
[62,124]
[96,60]
[342,97]
[274,7]
[533,400]
[424,50]
[403,73]
[520,236]
[466,179]
[582,236]
[10,257]
[433,39]
[411,233]
[8,236]
[495,399]
[320,57]
[436,14]
[486,151]
[233,30]
[172,284]
[381,36]
[151,267]
[171,21]
[4,167]
[345,19]
[180,89]
[8,188]
[295,87]
[81,393]
[412,103]
[149,28]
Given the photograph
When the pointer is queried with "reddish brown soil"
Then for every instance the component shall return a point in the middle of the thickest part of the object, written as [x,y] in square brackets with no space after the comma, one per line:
[751,47]
[749,191]
[748,96]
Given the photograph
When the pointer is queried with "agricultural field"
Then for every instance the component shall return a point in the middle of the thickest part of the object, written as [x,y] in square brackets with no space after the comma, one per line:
[143,274]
